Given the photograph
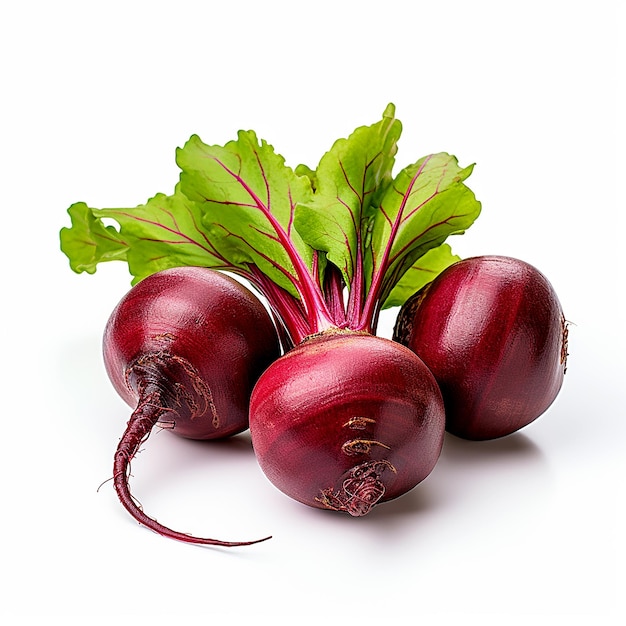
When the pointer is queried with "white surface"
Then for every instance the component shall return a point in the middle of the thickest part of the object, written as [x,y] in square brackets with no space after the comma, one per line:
[529,529]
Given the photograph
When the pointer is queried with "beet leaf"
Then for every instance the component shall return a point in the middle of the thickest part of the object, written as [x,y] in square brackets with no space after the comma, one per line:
[426,203]
[422,272]
[164,232]
[348,182]
[89,242]
[248,196]
[327,247]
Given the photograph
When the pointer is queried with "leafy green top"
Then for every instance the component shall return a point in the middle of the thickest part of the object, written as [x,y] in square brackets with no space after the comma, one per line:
[328,248]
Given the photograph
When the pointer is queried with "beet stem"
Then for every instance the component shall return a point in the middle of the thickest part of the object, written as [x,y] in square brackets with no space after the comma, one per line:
[148,412]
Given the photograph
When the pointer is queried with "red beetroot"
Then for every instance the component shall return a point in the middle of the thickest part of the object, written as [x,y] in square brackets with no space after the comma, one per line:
[346,420]
[492,331]
[185,347]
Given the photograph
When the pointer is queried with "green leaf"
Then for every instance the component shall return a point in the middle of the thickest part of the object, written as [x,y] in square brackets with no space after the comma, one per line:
[165,232]
[305,170]
[89,242]
[349,179]
[422,272]
[239,207]
[248,198]
[426,203]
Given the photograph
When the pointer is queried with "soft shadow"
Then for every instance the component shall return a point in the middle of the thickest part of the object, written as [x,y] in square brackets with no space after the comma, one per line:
[236,444]
[465,467]
[167,458]
[515,446]
[421,500]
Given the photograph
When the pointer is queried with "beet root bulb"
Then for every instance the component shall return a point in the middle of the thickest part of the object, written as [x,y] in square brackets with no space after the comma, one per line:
[185,347]
[492,331]
[347,420]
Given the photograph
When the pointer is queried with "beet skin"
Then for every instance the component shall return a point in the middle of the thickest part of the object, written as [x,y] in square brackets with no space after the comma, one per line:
[492,331]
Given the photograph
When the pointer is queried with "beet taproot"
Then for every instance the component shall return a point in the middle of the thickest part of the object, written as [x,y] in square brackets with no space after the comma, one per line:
[184,347]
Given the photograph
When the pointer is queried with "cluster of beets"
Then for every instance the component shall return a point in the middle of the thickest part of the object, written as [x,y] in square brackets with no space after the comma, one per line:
[344,420]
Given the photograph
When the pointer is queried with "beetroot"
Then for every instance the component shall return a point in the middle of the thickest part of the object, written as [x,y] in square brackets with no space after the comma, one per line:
[492,331]
[184,347]
[346,420]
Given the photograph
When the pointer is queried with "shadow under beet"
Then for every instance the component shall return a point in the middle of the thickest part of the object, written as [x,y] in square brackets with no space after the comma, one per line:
[495,471]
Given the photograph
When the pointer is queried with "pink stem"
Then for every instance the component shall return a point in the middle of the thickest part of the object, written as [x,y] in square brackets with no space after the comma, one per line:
[333,290]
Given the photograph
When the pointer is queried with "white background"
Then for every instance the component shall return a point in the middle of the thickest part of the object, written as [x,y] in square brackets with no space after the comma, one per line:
[95,98]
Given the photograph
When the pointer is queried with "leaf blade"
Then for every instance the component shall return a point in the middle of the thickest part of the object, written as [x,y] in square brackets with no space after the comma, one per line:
[349,179]
[88,242]
[426,203]
[248,197]
[422,272]
[164,232]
